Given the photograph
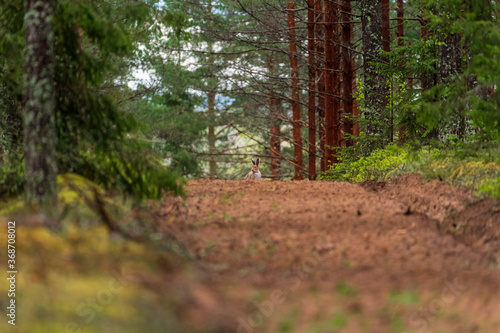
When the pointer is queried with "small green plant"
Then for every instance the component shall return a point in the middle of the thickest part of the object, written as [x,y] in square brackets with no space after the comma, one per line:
[345,289]
[407,297]
[339,321]
[286,326]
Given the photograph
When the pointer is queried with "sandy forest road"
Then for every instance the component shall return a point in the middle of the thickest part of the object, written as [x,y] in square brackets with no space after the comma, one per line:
[406,256]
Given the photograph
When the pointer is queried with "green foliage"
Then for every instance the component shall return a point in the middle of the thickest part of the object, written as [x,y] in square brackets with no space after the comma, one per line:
[94,132]
[135,170]
[172,126]
[95,45]
[11,76]
[460,97]
[473,165]
[11,176]
[377,166]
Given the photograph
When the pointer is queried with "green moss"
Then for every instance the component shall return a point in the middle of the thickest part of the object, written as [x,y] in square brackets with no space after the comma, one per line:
[64,274]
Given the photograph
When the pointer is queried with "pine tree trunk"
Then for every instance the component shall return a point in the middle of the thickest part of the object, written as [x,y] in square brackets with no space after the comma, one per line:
[295,94]
[274,111]
[450,58]
[347,70]
[386,46]
[211,133]
[355,110]
[312,89]
[400,13]
[374,85]
[337,81]
[386,39]
[400,36]
[320,73]
[450,64]
[331,84]
[429,80]
[40,138]
[211,107]
[275,139]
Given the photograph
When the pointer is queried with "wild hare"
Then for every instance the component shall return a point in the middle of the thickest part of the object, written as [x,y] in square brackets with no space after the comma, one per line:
[255,173]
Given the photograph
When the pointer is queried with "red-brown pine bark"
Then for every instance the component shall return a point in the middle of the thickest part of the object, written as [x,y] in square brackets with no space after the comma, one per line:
[297,139]
[401,28]
[312,89]
[347,70]
[331,78]
[274,110]
[320,74]
[275,138]
[386,40]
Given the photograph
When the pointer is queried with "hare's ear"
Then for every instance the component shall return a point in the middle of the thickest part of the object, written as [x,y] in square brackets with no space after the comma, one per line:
[258,160]
[253,162]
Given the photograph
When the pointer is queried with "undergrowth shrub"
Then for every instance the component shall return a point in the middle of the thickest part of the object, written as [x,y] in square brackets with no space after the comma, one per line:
[377,166]
[130,169]
[472,165]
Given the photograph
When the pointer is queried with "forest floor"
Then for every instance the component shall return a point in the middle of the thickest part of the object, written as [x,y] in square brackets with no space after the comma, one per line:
[406,255]
[402,256]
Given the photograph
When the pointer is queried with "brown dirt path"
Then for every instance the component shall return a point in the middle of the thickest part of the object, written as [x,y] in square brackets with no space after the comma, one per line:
[403,256]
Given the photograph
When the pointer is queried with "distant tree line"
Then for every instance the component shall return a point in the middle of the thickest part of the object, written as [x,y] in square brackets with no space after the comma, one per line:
[309,78]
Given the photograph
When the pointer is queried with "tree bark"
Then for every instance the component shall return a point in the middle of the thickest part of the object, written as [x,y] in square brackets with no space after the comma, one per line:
[429,80]
[40,138]
[295,94]
[320,73]
[450,58]
[450,65]
[275,140]
[386,39]
[211,95]
[400,13]
[331,84]
[355,110]
[400,36]
[274,112]
[347,70]
[386,46]
[374,84]
[312,89]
